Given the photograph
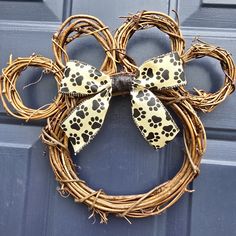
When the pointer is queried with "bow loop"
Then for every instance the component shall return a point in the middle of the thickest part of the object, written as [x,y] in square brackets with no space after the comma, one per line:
[86,119]
[164,71]
[152,118]
[83,79]
[150,115]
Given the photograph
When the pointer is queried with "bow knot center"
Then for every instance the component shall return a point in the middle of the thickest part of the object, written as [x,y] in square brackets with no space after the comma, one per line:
[122,82]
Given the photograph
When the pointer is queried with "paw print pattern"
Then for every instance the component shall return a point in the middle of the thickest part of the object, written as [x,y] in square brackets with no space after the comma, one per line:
[147,73]
[168,117]
[64,88]
[94,73]
[104,93]
[75,123]
[179,76]
[174,59]
[153,137]
[98,105]
[162,75]
[82,112]
[155,121]
[63,126]
[80,64]
[74,138]
[168,130]
[76,79]
[143,95]
[142,129]
[67,71]
[91,87]
[87,135]
[158,59]
[95,122]
[139,113]
[150,85]
[153,104]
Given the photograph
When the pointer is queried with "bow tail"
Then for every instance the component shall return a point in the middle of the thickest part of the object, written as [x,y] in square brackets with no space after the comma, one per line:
[151,117]
[86,119]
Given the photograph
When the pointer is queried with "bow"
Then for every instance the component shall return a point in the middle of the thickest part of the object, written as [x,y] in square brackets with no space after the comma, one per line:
[150,115]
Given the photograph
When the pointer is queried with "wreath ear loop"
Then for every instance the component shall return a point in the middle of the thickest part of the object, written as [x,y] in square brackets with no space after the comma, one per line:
[84,25]
[202,100]
[141,21]
[10,96]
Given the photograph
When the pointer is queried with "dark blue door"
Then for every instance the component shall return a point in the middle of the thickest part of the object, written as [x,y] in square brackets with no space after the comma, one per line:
[118,160]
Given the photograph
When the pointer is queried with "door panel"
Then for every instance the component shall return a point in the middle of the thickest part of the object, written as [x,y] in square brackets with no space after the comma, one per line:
[118,160]
[213,205]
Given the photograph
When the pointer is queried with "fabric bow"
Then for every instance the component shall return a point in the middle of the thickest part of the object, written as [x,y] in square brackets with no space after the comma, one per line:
[151,117]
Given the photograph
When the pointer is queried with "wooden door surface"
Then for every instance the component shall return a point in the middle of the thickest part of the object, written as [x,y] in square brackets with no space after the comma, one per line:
[118,160]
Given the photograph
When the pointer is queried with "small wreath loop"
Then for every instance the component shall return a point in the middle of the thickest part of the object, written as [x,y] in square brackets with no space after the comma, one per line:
[9,93]
[145,20]
[202,100]
[80,25]
[146,204]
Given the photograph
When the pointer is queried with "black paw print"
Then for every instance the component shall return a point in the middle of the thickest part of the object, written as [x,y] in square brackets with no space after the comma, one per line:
[63,126]
[153,104]
[139,113]
[155,121]
[147,73]
[80,64]
[158,59]
[67,72]
[104,93]
[103,82]
[75,123]
[76,79]
[98,105]
[150,85]
[64,88]
[153,137]
[86,135]
[142,129]
[94,73]
[168,130]
[82,111]
[162,75]
[74,139]
[137,82]
[175,59]
[168,117]
[91,87]
[95,122]
[143,95]
[179,75]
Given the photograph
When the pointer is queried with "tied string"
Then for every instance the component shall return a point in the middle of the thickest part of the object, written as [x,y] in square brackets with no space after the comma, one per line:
[149,114]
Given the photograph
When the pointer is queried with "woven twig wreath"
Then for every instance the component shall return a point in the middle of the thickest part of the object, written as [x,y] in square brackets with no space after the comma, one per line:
[179,100]
[160,197]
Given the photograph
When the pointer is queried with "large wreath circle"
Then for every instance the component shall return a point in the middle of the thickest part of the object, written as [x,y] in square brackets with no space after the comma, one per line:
[145,204]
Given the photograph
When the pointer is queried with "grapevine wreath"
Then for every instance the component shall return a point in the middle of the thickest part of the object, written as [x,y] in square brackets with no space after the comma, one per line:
[79,110]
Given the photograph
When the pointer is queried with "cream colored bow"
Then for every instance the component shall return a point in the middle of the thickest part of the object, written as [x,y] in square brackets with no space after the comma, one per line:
[151,117]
